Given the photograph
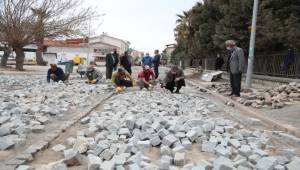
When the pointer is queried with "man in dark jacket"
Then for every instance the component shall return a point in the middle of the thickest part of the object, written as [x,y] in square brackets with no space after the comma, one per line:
[156,63]
[236,66]
[116,58]
[56,74]
[174,78]
[126,63]
[109,63]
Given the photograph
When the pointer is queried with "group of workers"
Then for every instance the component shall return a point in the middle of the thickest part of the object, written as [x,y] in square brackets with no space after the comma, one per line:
[121,77]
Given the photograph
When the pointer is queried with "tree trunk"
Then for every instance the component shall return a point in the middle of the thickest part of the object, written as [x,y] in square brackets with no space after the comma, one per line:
[5,56]
[20,56]
[39,54]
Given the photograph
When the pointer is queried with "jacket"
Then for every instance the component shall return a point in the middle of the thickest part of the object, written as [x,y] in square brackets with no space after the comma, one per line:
[116,59]
[94,75]
[117,77]
[237,61]
[109,60]
[147,60]
[59,74]
[156,60]
[170,77]
[125,62]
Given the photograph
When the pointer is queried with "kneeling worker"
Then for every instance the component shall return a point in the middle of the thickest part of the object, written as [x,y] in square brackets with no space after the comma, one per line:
[146,77]
[94,76]
[174,78]
[121,79]
[56,74]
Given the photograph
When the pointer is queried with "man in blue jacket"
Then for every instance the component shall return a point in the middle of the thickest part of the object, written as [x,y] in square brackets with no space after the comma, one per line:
[56,74]
[147,60]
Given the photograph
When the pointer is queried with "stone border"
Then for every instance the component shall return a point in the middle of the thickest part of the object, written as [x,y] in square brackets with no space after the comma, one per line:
[28,154]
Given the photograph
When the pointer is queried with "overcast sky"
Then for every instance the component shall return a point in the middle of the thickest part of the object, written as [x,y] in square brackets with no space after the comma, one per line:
[147,24]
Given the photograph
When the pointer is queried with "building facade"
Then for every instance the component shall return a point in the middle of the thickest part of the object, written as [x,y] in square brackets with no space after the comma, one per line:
[93,49]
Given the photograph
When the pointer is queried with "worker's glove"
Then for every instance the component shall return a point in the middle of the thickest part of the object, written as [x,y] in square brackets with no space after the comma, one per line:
[119,89]
[134,83]
[93,81]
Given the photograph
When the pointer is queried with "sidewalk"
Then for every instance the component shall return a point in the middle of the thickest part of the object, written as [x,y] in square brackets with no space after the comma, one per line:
[288,117]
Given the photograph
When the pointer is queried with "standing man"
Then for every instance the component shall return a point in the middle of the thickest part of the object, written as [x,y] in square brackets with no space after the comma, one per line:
[174,78]
[109,63]
[236,66]
[125,62]
[116,58]
[156,63]
[147,60]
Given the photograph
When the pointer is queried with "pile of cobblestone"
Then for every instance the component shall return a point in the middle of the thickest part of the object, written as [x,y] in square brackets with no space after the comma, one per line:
[132,124]
[273,98]
[28,104]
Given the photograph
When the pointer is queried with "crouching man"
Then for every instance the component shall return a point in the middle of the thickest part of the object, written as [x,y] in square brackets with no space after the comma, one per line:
[56,74]
[146,78]
[94,76]
[174,78]
[121,78]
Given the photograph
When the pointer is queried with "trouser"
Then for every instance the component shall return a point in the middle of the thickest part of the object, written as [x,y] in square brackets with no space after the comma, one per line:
[109,71]
[81,73]
[156,71]
[235,82]
[123,82]
[142,84]
[128,69]
[56,79]
[115,68]
[171,85]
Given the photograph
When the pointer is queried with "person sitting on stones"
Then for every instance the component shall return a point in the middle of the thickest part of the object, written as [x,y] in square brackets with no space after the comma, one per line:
[121,78]
[174,78]
[146,78]
[56,74]
[94,76]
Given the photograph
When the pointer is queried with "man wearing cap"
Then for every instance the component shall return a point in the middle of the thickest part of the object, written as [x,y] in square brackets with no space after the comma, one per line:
[121,78]
[146,77]
[94,76]
[56,74]
[174,78]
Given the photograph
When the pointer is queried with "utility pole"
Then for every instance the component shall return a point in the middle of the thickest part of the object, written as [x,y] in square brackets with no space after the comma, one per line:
[252,45]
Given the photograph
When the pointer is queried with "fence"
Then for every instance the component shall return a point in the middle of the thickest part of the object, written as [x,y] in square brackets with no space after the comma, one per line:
[271,65]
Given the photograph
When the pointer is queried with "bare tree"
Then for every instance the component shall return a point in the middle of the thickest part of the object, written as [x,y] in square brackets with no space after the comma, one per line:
[57,18]
[25,22]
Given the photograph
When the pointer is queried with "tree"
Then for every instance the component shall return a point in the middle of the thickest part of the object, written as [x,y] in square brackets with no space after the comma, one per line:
[202,31]
[25,22]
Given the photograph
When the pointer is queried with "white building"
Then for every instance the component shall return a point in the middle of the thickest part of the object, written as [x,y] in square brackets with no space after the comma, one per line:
[95,48]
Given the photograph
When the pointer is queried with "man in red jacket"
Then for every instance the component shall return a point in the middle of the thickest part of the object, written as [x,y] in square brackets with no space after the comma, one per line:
[146,77]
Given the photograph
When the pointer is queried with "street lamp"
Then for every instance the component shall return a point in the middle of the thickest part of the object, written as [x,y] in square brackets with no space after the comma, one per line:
[252,45]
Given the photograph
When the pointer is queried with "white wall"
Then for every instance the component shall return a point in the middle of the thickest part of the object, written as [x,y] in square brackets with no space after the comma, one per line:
[68,53]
